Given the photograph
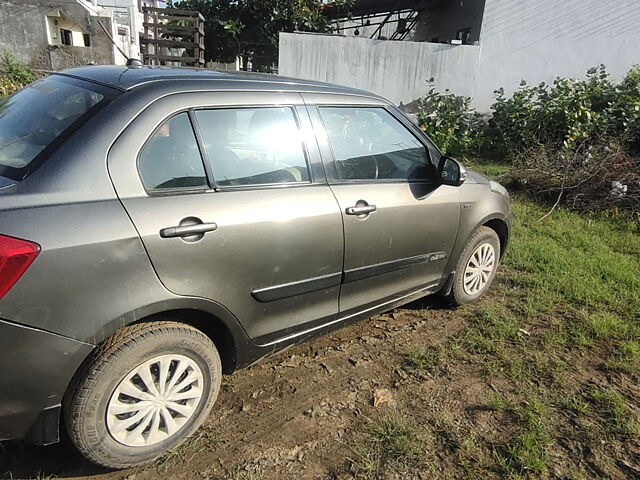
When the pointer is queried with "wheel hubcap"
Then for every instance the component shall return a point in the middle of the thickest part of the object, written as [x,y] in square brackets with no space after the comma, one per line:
[479,269]
[154,400]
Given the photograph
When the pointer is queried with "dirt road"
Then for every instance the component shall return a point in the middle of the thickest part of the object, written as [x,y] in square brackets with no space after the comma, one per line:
[287,417]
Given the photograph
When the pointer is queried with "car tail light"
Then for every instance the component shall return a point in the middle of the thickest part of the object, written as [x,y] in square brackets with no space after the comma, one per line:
[15,257]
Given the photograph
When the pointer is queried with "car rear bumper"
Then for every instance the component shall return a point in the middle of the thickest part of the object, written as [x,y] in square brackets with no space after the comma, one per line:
[35,369]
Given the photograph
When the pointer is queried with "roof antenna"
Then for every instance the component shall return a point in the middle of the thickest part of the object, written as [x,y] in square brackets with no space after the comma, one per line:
[131,62]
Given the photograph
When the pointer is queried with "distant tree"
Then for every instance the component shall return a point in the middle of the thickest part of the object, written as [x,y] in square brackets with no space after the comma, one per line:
[250,28]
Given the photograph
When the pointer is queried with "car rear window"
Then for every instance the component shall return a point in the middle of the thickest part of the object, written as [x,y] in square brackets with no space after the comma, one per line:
[36,119]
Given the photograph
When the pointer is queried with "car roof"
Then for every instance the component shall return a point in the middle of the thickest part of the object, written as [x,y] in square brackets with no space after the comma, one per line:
[126,78]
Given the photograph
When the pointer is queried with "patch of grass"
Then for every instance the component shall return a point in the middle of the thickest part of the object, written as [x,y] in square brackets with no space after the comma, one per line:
[567,300]
[395,437]
[493,326]
[578,404]
[603,325]
[461,442]
[615,413]
[527,452]
[532,366]
[625,358]
[392,441]
[499,402]
[431,357]
[492,170]
[572,263]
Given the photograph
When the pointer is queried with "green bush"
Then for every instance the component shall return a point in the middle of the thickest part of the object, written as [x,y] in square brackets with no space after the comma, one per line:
[13,74]
[450,122]
[576,141]
[569,115]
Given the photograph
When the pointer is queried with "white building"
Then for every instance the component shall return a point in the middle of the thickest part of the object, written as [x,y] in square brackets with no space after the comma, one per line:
[504,41]
[127,20]
[57,34]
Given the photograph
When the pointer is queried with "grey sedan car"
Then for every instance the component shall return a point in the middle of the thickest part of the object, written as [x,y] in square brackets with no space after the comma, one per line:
[161,227]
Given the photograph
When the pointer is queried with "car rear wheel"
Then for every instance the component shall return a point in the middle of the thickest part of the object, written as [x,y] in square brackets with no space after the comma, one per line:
[143,391]
[476,267]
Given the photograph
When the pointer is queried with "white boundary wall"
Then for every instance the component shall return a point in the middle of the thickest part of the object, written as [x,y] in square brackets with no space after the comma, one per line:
[536,41]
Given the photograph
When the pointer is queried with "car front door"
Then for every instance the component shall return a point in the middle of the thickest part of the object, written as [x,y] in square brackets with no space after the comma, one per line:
[232,204]
[400,223]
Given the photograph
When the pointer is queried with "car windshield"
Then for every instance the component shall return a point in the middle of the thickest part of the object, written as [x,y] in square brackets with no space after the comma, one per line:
[33,119]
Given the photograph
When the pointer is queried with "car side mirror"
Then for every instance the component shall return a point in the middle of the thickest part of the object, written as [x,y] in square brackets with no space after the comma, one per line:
[451,171]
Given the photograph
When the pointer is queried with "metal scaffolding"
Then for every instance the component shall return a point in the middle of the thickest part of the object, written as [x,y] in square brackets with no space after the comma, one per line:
[172,36]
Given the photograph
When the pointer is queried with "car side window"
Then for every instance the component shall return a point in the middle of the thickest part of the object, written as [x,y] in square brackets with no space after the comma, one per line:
[370,144]
[171,159]
[253,146]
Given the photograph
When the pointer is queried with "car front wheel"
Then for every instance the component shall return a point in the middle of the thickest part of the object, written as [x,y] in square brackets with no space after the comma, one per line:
[142,391]
[476,267]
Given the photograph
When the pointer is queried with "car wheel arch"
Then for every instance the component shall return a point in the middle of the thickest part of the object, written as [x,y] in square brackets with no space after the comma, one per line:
[212,318]
[209,324]
[500,226]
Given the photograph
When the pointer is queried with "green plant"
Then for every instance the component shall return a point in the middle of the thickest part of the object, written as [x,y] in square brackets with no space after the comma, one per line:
[625,358]
[562,114]
[14,69]
[13,74]
[569,114]
[450,122]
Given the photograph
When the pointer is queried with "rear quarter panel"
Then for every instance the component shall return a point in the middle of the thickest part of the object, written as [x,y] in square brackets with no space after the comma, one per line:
[93,274]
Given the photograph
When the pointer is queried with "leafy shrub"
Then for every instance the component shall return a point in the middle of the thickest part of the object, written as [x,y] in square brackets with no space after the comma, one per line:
[576,141]
[569,114]
[450,122]
[8,86]
[13,74]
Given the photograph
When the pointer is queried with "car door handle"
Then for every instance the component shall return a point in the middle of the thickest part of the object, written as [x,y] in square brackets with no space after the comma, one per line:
[200,228]
[361,210]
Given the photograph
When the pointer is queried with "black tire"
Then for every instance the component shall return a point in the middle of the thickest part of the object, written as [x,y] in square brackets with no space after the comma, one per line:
[87,399]
[458,295]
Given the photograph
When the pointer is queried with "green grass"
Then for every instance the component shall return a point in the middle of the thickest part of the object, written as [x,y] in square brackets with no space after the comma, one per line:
[579,274]
[625,357]
[614,412]
[527,451]
[430,358]
[574,279]
[492,326]
[571,264]
[391,442]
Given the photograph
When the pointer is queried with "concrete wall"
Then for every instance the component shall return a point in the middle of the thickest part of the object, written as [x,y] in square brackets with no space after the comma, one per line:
[541,40]
[24,32]
[536,41]
[396,70]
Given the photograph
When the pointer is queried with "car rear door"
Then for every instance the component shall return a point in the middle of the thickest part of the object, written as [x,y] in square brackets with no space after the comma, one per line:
[400,224]
[228,193]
